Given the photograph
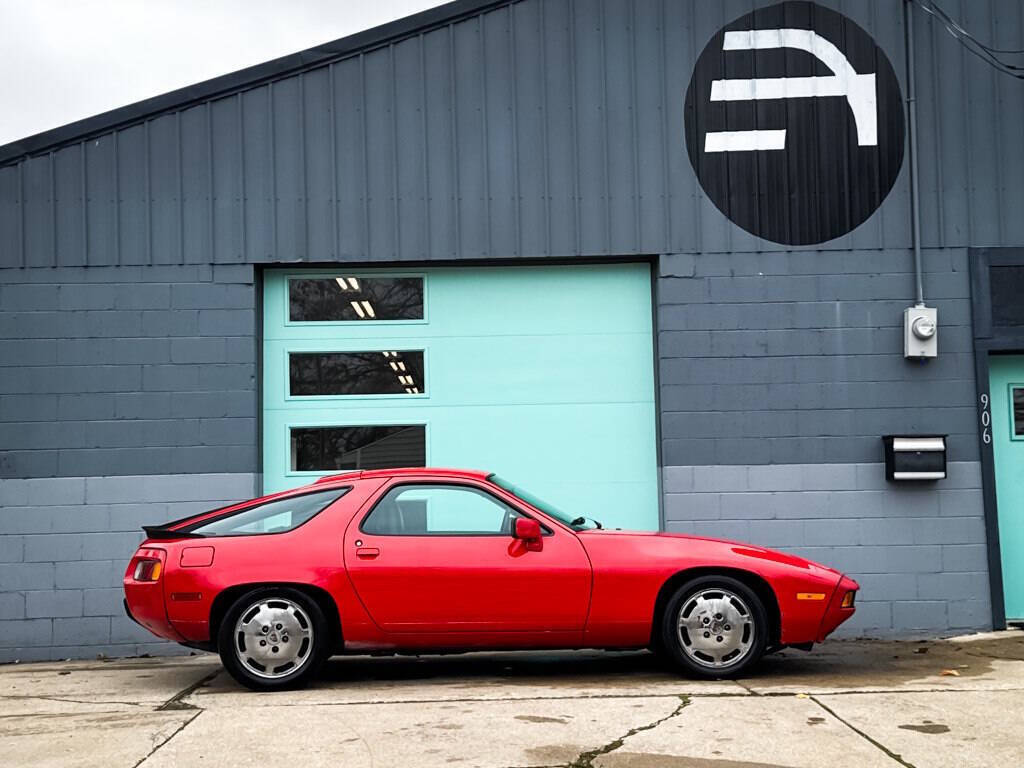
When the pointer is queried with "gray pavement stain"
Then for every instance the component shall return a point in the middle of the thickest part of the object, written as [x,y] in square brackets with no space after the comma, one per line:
[177,701]
[540,719]
[926,727]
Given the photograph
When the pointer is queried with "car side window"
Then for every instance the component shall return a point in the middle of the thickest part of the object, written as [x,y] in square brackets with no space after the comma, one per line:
[439,510]
[273,517]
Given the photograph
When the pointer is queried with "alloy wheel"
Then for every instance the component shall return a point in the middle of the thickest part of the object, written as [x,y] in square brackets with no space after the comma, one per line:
[715,628]
[273,638]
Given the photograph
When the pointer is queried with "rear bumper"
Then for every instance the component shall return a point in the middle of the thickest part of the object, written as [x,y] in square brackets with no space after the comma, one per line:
[835,613]
[144,600]
[128,612]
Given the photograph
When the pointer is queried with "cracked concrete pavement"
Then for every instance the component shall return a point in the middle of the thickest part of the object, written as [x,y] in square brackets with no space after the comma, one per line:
[940,703]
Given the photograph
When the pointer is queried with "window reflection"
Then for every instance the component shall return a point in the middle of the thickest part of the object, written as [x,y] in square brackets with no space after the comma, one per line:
[355,298]
[357,447]
[387,372]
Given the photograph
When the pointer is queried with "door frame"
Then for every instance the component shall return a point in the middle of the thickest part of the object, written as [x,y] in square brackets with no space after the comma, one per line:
[354,531]
[990,339]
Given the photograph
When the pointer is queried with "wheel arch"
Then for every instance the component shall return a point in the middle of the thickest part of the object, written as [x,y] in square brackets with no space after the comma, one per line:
[224,599]
[754,581]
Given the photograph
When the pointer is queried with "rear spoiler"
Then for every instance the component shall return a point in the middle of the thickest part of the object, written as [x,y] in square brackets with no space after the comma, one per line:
[168,530]
[165,532]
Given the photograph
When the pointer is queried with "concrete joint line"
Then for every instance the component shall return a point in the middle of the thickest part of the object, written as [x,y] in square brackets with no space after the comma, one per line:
[898,758]
[51,715]
[177,730]
[176,701]
[586,759]
[71,701]
[402,702]
[746,688]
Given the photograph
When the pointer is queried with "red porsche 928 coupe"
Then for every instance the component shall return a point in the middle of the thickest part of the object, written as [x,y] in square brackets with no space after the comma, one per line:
[438,560]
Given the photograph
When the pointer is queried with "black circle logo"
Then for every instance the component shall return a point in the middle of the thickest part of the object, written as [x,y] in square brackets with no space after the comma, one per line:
[794,123]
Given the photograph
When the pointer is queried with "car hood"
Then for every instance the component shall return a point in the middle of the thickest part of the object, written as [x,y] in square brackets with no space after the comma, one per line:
[685,543]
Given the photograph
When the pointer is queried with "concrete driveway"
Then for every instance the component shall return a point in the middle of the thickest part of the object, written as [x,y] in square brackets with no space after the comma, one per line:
[848,703]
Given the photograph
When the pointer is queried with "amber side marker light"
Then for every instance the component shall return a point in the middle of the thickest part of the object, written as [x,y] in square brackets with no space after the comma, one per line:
[810,595]
[148,570]
[848,599]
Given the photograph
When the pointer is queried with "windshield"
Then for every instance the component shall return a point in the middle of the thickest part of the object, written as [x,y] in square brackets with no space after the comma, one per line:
[576,522]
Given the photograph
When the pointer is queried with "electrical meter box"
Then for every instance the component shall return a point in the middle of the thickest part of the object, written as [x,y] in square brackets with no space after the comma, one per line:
[920,332]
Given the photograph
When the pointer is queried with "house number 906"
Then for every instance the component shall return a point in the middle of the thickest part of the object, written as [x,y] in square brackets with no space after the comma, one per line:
[986,420]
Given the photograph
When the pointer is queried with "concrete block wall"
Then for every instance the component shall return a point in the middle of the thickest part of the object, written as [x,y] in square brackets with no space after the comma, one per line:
[797,357]
[917,550]
[113,370]
[64,546]
[127,397]
[779,373]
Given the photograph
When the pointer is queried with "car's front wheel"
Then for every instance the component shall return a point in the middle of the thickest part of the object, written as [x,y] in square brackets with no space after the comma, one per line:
[273,638]
[714,626]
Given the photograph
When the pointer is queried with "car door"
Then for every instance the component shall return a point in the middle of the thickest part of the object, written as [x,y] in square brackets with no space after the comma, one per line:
[439,556]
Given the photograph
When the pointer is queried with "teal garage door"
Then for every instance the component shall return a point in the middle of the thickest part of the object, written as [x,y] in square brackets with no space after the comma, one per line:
[544,375]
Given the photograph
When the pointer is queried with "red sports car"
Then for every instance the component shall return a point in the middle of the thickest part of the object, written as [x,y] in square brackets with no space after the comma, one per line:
[439,560]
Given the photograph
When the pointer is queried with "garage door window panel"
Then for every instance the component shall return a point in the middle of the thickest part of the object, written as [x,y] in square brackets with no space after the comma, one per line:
[354,298]
[380,372]
[333,448]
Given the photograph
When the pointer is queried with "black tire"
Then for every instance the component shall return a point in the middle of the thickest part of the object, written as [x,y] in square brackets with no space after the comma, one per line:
[742,644]
[243,654]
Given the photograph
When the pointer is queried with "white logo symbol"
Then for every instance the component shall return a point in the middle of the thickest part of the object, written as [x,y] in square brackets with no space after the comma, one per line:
[859,90]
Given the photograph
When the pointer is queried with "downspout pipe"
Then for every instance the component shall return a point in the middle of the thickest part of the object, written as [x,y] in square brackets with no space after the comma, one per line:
[915,190]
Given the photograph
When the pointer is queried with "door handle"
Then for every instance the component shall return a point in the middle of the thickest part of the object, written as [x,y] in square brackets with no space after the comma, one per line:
[367,553]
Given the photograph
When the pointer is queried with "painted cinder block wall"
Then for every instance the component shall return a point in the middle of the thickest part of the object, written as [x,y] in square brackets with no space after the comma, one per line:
[132,247]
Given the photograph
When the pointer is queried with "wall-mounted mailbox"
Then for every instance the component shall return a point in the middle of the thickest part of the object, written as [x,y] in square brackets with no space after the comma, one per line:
[915,457]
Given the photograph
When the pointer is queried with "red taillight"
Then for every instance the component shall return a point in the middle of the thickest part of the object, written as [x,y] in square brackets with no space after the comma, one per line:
[147,570]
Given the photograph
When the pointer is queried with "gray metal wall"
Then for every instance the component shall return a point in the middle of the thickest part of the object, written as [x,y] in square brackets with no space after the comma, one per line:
[129,304]
[543,127]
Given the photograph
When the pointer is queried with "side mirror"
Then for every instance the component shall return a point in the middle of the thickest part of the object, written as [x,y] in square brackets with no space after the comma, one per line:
[527,529]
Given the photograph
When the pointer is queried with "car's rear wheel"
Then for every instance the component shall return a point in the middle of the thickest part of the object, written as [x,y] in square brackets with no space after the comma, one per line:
[273,638]
[714,626]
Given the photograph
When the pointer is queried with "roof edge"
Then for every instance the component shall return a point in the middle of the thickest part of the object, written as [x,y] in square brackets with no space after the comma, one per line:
[243,79]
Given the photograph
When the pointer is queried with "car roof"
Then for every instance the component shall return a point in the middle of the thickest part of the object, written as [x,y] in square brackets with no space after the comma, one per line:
[348,477]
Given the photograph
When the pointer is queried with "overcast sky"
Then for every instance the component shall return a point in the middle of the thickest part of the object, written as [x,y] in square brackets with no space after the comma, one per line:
[62,60]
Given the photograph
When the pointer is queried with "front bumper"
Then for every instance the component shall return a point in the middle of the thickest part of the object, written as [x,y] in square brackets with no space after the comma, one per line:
[835,613]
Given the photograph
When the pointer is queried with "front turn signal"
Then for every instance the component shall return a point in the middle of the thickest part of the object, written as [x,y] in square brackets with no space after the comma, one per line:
[148,570]
[848,599]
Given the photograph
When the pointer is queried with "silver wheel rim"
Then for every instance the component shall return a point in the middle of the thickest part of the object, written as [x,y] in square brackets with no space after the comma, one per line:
[273,638]
[715,628]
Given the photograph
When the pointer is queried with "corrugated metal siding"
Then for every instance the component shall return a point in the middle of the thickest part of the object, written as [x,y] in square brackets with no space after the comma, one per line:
[972,153]
[543,127]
